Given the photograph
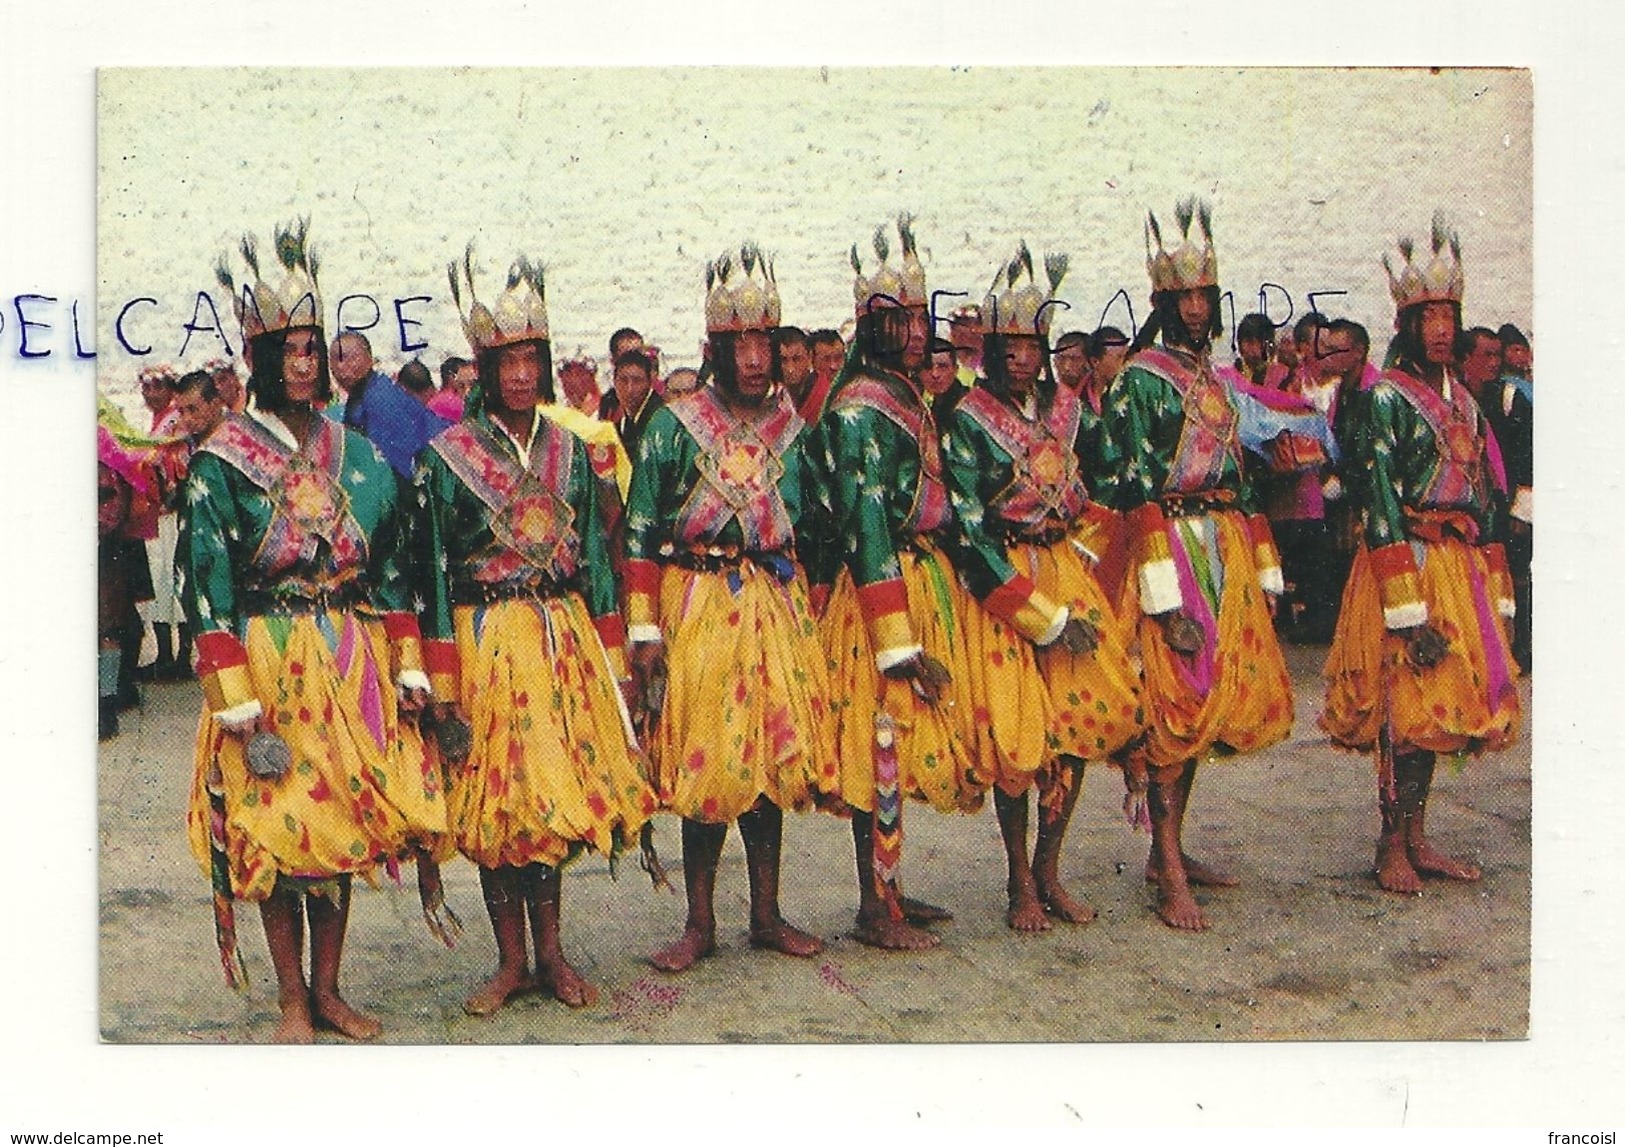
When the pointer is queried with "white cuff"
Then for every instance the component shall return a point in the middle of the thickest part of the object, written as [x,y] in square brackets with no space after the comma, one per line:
[1523,505]
[240,716]
[414,679]
[643,634]
[1049,635]
[1159,587]
[1406,616]
[890,658]
[1506,607]
[1331,489]
[1270,580]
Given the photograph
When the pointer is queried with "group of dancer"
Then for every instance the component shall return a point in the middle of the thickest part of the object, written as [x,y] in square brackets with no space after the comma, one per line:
[871,600]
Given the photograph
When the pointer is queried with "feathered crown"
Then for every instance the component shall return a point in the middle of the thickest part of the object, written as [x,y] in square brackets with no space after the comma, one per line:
[1441,281]
[1187,266]
[1021,310]
[520,314]
[261,307]
[741,293]
[905,284]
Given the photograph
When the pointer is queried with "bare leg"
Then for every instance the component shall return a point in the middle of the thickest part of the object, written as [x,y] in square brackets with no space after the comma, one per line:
[544,891]
[763,831]
[327,924]
[702,852]
[1026,913]
[880,911]
[1058,789]
[1175,904]
[1203,875]
[503,889]
[1417,771]
[283,916]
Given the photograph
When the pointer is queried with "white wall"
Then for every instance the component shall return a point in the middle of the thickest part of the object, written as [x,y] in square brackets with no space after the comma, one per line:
[625,182]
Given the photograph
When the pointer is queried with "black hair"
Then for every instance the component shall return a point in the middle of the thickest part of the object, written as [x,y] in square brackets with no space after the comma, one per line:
[1357,333]
[415,378]
[1256,326]
[620,336]
[720,359]
[782,335]
[199,380]
[1511,336]
[1104,339]
[1165,320]
[490,359]
[1310,321]
[1465,340]
[826,337]
[1406,350]
[1070,339]
[636,358]
[882,334]
[995,349]
[450,367]
[265,385]
[940,346]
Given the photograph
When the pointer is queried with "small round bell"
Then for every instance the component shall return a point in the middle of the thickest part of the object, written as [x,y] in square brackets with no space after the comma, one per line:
[269,756]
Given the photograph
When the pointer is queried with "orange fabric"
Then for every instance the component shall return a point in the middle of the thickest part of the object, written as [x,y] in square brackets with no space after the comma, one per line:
[1031,705]
[1449,708]
[747,696]
[1249,706]
[934,749]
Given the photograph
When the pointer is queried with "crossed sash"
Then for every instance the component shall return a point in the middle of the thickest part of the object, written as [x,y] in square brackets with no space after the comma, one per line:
[1211,430]
[527,514]
[930,510]
[740,465]
[310,508]
[1048,484]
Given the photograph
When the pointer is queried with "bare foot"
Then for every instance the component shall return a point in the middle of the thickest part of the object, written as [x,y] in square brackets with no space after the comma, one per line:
[295,1026]
[1061,904]
[1177,908]
[497,991]
[694,945]
[919,912]
[1202,875]
[1026,913]
[554,972]
[781,937]
[1394,871]
[333,1013]
[1429,862]
[892,935]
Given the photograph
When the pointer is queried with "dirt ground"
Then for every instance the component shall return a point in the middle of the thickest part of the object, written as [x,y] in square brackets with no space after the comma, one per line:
[1306,948]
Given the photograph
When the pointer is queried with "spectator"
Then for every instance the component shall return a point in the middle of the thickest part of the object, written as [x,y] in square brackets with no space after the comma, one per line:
[228,384]
[1511,416]
[795,364]
[965,332]
[415,379]
[578,382]
[683,380]
[939,380]
[1255,343]
[1071,360]
[635,399]
[377,407]
[457,377]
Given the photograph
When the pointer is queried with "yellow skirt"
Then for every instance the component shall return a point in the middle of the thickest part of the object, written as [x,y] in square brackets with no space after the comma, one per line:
[1239,698]
[936,755]
[1095,699]
[554,767]
[747,710]
[361,787]
[1468,702]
